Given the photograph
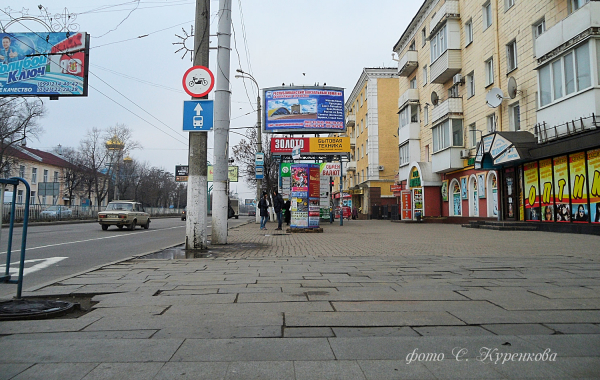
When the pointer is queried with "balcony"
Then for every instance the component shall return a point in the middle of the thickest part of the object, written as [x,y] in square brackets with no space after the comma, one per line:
[409,132]
[351,166]
[447,160]
[579,21]
[408,63]
[449,107]
[411,95]
[352,142]
[446,66]
[448,10]
[350,121]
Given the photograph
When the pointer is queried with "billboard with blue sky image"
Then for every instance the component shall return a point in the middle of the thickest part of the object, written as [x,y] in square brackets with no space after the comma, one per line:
[43,64]
[304,109]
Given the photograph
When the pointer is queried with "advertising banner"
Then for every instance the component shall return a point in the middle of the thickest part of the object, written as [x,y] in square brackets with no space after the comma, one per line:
[304,109]
[593,164]
[445,190]
[561,189]
[417,201]
[328,170]
[314,185]
[300,178]
[463,187]
[547,190]
[284,145]
[578,181]
[532,200]
[44,64]
[232,175]
[456,200]
[181,173]
[406,205]
[481,185]
[330,145]
[285,179]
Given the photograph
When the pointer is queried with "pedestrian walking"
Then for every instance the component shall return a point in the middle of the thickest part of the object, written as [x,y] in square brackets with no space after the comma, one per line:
[263,206]
[354,213]
[288,214]
[277,206]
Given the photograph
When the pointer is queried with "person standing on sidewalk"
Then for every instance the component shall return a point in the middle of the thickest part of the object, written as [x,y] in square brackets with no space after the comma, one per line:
[277,206]
[288,216]
[263,206]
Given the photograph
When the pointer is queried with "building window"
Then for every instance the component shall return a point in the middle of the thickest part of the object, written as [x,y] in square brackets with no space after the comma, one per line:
[508,4]
[469,32]
[539,28]
[32,198]
[22,171]
[19,196]
[565,75]
[576,4]
[33,175]
[514,116]
[424,75]
[413,82]
[45,175]
[358,153]
[362,147]
[426,115]
[366,121]
[404,154]
[511,55]
[489,72]
[55,176]
[423,37]
[491,123]
[487,15]
[361,99]
[472,135]
[438,43]
[412,46]
[470,84]
[442,137]
[367,143]
[363,174]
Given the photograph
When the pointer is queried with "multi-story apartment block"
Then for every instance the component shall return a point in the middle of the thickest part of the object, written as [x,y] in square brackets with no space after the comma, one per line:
[371,124]
[497,110]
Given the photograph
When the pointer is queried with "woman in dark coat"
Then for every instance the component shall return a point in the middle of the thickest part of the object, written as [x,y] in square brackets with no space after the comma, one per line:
[288,215]
[263,206]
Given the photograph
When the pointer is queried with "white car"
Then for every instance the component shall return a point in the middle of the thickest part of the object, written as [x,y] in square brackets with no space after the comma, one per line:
[57,212]
[124,213]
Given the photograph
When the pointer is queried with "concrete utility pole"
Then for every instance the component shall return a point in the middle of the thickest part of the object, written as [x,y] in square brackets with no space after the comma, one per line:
[197,206]
[221,129]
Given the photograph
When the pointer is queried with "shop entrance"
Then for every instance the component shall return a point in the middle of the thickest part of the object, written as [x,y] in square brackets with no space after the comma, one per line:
[509,195]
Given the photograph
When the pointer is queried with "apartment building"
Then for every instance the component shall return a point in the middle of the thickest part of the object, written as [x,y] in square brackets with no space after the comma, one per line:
[371,124]
[497,110]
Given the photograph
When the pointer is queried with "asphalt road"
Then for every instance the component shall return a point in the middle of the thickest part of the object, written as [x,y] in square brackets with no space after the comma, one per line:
[60,250]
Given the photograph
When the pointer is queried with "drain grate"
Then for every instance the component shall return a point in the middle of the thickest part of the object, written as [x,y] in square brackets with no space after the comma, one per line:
[34,309]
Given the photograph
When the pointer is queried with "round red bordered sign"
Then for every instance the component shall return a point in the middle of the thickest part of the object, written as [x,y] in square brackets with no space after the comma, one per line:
[198,81]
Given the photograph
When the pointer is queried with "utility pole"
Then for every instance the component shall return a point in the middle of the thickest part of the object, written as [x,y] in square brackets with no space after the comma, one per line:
[197,206]
[221,129]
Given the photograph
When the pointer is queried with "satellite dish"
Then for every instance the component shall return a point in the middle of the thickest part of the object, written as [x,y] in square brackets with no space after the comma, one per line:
[512,87]
[494,97]
[434,98]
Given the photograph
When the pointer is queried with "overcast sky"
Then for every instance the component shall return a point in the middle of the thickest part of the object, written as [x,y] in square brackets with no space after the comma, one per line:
[137,81]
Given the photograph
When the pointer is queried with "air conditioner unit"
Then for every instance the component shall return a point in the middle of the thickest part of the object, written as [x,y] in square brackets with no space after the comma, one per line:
[465,153]
[457,79]
[381,167]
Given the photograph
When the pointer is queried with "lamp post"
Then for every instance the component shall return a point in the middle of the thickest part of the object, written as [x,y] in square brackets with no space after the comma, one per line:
[115,146]
[258,135]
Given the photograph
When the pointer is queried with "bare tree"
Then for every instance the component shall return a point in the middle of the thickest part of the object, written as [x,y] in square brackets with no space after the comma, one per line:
[73,175]
[244,153]
[18,121]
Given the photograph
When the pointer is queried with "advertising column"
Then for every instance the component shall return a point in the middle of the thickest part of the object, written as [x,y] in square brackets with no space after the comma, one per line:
[417,192]
[305,195]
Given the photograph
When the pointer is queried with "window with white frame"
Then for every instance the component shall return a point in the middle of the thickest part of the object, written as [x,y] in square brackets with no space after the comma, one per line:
[489,72]
[423,37]
[470,81]
[413,82]
[33,175]
[404,117]
[45,175]
[426,115]
[403,151]
[539,28]
[55,176]
[366,121]
[361,99]
[514,117]
[363,174]
[508,4]
[511,55]
[358,153]
[576,4]
[439,43]
[361,125]
[22,171]
[32,198]
[424,75]
[19,196]
[447,134]
[468,32]
[362,147]
[472,135]
[487,15]
[491,123]
[367,143]
[566,75]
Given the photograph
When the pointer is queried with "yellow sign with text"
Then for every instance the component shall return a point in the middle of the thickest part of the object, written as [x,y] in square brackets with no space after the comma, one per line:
[329,144]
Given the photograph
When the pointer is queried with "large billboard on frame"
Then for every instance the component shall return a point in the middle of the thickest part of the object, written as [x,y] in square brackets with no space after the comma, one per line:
[44,64]
[304,109]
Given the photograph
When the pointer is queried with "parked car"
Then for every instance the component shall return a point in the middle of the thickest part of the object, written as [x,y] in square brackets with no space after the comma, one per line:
[124,213]
[251,211]
[57,212]
[183,213]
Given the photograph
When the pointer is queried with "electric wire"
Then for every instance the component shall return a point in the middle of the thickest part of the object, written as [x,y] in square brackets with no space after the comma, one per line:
[122,21]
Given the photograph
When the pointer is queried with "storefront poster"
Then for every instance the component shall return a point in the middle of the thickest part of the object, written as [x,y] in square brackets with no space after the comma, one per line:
[494,182]
[300,178]
[314,187]
[463,187]
[474,199]
[561,189]
[457,204]
[521,192]
[406,204]
[532,201]
[418,201]
[578,181]
[593,165]
[445,190]
[481,185]
[547,191]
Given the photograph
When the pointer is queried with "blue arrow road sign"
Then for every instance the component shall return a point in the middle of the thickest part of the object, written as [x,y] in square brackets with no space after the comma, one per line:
[198,115]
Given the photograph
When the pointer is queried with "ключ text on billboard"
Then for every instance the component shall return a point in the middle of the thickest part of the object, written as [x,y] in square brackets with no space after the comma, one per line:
[44,64]
[304,109]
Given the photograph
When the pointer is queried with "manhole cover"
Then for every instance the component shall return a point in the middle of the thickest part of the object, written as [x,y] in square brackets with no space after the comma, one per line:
[33,309]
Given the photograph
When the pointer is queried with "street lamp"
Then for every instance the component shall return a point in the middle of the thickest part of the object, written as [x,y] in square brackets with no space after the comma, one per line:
[115,146]
[244,74]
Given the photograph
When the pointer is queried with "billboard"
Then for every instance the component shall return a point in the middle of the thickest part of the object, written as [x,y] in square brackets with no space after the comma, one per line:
[181,173]
[310,145]
[44,64]
[304,109]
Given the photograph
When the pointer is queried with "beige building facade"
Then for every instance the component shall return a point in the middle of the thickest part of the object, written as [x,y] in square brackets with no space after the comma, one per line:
[487,89]
[371,124]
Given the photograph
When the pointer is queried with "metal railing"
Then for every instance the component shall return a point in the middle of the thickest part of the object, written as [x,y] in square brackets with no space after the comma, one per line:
[545,133]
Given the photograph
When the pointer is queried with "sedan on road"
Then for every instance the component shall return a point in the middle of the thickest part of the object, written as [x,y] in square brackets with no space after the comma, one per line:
[124,213]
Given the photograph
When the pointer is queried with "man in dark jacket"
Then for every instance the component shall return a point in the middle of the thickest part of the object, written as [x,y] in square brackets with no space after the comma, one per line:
[288,216]
[263,206]
[277,206]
